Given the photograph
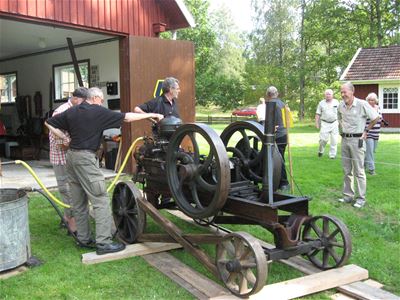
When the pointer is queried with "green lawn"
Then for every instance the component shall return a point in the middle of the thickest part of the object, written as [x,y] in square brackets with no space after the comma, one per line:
[374,229]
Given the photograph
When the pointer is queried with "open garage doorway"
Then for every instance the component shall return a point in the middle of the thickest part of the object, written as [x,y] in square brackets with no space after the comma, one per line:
[36,76]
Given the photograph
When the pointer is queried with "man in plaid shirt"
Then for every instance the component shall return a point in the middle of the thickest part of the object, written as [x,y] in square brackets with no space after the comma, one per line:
[58,150]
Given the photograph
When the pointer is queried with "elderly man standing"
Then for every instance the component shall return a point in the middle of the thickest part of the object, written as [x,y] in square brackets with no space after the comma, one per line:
[85,123]
[326,122]
[58,151]
[353,114]
[281,132]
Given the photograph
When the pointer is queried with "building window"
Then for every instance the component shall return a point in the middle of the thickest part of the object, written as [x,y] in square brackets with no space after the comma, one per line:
[390,98]
[8,87]
[65,80]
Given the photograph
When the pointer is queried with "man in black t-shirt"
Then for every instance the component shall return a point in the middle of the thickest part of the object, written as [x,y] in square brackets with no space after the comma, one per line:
[166,103]
[85,124]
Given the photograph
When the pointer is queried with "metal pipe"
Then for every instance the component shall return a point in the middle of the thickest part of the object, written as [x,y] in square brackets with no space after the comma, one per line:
[269,141]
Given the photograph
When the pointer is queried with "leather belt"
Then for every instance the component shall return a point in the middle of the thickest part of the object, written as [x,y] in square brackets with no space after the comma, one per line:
[83,150]
[350,135]
[328,122]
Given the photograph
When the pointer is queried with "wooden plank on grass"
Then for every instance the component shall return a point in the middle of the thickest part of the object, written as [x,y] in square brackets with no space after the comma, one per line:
[310,284]
[195,283]
[13,272]
[373,283]
[364,291]
[130,251]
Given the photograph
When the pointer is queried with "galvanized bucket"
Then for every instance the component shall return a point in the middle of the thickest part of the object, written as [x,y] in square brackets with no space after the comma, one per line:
[15,248]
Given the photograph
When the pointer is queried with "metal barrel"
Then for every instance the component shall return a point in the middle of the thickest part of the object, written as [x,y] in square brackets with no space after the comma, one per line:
[15,246]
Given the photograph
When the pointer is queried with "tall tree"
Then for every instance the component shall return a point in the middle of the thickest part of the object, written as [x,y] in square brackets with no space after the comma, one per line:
[205,41]
[272,55]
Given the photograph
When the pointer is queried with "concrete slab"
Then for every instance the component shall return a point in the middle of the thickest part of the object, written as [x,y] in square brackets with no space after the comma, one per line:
[17,176]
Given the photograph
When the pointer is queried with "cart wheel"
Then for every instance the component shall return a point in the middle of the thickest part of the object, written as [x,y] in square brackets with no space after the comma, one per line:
[129,218]
[241,264]
[335,241]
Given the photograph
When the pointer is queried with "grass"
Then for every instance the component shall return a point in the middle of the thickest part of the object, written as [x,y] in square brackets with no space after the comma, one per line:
[374,230]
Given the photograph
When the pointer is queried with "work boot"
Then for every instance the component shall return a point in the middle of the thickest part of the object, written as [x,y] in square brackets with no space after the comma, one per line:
[109,248]
[91,244]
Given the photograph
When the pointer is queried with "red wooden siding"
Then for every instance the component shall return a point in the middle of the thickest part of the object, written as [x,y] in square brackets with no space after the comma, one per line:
[393,119]
[133,17]
[362,90]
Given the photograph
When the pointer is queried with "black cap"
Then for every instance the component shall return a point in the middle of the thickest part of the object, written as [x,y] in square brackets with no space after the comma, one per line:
[80,92]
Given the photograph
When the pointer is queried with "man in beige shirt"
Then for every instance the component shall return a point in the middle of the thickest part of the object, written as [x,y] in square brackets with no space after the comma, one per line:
[326,122]
[352,115]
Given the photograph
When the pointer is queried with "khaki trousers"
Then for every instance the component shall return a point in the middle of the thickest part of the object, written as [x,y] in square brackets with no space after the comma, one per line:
[87,184]
[63,187]
[328,131]
[353,168]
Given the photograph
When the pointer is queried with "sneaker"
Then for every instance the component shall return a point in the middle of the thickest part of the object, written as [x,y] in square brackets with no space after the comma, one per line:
[332,157]
[372,172]
[320,154]
[345,200]
[359,203]
[109,248]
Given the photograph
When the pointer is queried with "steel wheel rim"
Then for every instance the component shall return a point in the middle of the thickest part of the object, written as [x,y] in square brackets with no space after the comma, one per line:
[241,264]
[253,153]
[129,218]
[209,175]
[335,238]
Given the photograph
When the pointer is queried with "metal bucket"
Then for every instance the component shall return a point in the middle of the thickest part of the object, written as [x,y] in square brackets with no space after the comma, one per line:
[15,248]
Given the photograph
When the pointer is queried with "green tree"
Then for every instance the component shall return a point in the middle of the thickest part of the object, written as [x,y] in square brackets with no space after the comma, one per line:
[272,55]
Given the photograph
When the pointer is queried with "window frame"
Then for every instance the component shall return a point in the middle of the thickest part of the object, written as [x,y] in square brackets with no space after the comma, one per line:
[16,83]
[62,100]
[389,110]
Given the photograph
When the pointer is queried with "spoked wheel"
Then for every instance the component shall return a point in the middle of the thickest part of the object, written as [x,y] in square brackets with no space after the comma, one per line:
[129,218]
[241,264]
[198,178]
[335,240]
[244,140]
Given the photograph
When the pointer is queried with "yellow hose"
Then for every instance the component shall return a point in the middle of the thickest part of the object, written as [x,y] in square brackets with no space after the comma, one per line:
[41,184]
[124,162]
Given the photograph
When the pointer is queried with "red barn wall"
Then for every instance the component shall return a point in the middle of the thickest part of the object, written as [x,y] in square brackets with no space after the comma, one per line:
[362,90]
[393,119]
[133,17]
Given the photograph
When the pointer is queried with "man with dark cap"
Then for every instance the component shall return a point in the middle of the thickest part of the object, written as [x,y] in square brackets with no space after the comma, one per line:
[58,151]
[85,123]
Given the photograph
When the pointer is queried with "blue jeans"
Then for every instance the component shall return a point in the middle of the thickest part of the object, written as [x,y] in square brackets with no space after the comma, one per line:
[369,154]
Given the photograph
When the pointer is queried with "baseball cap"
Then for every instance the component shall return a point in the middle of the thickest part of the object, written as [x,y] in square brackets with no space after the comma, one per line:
[80,92]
